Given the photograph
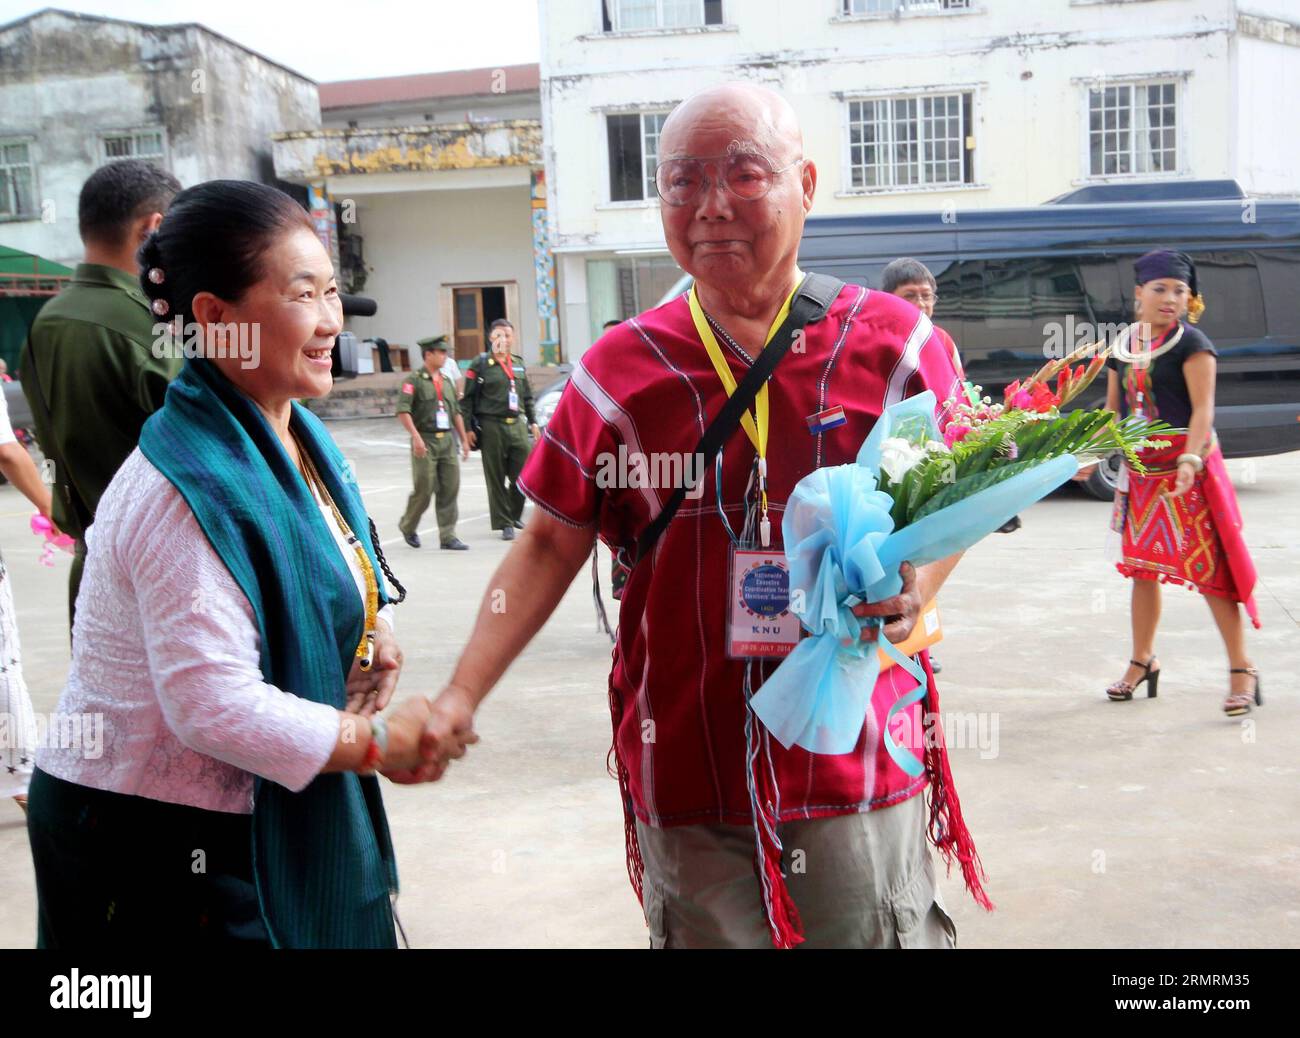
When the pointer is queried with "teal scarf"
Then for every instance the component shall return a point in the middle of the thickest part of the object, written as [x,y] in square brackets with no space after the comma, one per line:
[322,858]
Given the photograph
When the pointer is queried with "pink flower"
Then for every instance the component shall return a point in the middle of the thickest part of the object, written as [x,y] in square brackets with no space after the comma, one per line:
[955,431]
[1020,400]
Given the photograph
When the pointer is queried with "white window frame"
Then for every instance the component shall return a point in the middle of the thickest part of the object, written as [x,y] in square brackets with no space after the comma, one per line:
[659,25]
[30,144]
[1181,152]
[916,93]
[647,174]
[135,134]
[907,9]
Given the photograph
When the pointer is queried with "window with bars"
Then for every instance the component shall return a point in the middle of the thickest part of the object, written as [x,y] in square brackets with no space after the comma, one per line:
[629,15]
[139,144]
[633,153]
[904,6]
[1133,129]
[918,141]
[17,179]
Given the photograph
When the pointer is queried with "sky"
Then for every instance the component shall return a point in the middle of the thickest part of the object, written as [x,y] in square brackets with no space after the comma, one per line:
[343,39]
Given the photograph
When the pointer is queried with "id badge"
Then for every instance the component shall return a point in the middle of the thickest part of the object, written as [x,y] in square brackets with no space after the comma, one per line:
[759,622]
[513,400]
[443,419]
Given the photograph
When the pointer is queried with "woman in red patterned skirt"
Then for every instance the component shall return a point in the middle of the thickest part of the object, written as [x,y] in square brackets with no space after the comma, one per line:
[1180,522]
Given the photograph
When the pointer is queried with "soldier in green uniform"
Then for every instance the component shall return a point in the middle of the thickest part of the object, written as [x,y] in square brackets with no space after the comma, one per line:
[498,398]
[428,410]
[90,370]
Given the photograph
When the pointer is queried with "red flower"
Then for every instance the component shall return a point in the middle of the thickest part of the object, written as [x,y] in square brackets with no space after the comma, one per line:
[1043,399]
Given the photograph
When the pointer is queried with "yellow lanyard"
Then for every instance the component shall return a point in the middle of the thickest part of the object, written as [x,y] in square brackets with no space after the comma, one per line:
[755,425]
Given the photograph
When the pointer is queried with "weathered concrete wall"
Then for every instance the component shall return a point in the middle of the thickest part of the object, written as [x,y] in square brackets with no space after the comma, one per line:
[66,80]
[408,149]
[441,111]
[247,102]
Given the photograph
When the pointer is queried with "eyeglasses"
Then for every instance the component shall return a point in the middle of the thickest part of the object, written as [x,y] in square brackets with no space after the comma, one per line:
[748,177]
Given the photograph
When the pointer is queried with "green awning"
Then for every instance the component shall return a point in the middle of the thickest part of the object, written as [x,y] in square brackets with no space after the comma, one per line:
[27,282]
[15,261]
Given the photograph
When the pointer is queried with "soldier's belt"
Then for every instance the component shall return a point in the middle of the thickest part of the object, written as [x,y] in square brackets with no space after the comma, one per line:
[499,418]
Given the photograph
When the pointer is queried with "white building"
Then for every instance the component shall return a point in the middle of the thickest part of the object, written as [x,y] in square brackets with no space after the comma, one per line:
[905,105]
[441,196]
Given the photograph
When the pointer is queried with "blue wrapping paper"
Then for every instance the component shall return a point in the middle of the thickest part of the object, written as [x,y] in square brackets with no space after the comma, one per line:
[843,549]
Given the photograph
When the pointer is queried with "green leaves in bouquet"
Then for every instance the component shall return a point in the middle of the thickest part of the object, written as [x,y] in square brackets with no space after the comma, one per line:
[986,457]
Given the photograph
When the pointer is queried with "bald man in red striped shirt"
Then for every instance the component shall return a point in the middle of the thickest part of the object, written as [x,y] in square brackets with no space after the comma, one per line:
[850,830]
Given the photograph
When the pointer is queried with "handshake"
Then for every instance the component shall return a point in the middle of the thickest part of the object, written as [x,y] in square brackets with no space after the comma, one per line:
[425,734]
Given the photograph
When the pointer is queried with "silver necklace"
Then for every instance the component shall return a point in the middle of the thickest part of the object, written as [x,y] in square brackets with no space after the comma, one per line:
[1120,348]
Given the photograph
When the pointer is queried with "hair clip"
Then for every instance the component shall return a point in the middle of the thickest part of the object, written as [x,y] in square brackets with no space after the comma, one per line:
[155,275]
[159,307]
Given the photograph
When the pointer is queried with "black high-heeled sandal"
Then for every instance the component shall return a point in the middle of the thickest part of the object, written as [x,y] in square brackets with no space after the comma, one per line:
[1238,703]
[1121,690]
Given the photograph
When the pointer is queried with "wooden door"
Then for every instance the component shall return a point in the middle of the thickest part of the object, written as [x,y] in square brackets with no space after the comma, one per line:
[467,311]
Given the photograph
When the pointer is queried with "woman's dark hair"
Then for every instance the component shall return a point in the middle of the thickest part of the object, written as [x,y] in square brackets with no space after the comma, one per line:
[212,239]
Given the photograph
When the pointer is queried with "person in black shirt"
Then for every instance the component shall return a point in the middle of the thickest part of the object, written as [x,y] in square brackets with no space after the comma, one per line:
[1179,520]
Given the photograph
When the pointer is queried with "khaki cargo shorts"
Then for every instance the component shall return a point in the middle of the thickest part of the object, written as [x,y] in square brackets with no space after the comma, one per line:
[859,881]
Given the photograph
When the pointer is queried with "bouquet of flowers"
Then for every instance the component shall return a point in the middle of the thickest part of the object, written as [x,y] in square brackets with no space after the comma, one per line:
[985,443]
[918,495]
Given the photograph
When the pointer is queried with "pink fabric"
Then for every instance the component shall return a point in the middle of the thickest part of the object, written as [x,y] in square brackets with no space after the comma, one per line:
[1227,523]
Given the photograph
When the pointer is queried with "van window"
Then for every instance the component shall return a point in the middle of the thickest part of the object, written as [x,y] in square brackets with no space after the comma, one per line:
[1279,271]
[1036,307]
[1234,299]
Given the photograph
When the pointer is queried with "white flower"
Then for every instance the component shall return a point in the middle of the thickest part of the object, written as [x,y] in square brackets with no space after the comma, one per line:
[936,447]
[897,456]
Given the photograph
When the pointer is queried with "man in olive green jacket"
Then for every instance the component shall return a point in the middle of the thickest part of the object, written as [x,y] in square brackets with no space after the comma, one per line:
[90,371]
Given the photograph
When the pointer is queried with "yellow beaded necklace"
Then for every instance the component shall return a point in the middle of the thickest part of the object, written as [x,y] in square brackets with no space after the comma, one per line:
[366,648]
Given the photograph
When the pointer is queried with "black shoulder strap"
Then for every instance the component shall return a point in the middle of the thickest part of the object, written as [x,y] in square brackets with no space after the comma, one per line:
[811,301]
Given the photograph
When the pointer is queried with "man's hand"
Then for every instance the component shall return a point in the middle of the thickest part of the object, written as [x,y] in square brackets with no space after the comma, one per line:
[448,731]
[900,612]
[473,440]
[533,431]
[464,449]
[418,447]
[370,691]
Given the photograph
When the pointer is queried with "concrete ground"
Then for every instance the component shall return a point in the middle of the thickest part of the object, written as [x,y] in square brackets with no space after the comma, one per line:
[1152,823]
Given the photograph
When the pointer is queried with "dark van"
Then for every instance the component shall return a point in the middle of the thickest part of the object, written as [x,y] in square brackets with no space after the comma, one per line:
[1015,285]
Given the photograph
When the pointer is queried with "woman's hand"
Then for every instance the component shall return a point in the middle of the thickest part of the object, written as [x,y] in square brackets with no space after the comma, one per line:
[900,612]
[446,731]
[405,759]
[370,691]
[1183,480]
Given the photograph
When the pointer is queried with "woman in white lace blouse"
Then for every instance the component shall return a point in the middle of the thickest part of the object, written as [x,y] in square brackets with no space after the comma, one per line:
[232,630]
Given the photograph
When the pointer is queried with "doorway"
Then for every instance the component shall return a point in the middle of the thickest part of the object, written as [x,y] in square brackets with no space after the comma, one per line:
[474,308]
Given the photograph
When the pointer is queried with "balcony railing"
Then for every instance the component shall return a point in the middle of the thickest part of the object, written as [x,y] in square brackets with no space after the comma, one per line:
[308,155]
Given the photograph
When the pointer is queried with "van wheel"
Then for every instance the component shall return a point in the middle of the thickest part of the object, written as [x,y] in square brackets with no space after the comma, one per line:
[1104,479]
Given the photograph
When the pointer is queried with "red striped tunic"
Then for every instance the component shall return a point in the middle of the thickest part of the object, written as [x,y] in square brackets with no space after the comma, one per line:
[648,387]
